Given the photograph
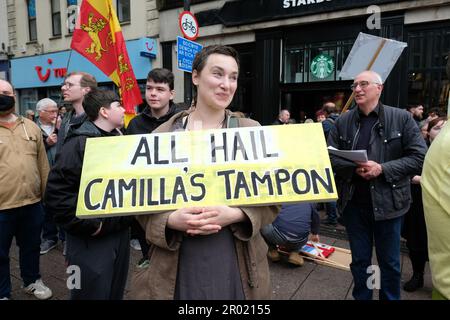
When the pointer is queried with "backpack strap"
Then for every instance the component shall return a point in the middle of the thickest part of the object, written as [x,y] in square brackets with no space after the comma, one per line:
[233,122]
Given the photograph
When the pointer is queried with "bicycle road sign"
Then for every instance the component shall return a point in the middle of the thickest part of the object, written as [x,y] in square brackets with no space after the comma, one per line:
[186,51]
[188,25]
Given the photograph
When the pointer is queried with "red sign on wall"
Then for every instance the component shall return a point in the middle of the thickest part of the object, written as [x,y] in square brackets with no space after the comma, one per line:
[57,72]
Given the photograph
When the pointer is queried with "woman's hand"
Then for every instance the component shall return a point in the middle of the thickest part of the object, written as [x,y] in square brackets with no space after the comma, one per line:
[225,216]
[204,221]
[194,221]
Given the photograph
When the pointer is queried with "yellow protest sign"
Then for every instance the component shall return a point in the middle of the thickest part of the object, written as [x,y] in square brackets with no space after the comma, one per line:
[141,174]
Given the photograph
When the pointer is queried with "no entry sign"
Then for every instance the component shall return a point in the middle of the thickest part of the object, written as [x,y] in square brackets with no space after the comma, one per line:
[188,25]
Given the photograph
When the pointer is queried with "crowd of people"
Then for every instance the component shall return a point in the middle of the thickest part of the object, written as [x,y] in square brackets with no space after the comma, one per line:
[215,252]
[380,200]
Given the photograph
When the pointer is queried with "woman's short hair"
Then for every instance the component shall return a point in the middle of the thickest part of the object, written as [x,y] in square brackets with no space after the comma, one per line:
[202,56]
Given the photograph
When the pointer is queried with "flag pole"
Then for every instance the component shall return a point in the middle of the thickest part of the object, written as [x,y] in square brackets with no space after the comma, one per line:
[369,66]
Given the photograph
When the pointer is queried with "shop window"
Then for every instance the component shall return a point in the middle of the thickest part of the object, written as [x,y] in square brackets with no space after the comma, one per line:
[32,31]
[123,10]
[315,62]
[28,100]
[55,94]
[56,17]
[427,58]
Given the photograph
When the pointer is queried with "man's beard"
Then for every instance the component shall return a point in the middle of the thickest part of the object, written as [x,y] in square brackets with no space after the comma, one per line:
[7,112]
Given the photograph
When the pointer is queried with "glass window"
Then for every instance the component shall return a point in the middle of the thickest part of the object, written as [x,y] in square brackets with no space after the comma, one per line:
[123,10]
[55,94]
[72,13]
[32,32]
[315,62]
[28,100]
[56,17]
[427,81]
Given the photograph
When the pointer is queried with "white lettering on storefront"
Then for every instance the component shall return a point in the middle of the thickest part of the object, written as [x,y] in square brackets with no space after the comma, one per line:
[297,3]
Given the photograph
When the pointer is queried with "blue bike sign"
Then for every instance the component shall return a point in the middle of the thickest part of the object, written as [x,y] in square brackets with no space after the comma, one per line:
[188,25]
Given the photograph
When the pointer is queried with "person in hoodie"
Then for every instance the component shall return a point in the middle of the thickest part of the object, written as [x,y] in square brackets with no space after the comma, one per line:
[99,247]
[159,94]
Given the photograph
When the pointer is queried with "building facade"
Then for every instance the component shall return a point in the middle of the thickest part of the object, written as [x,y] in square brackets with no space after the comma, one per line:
[4,41]
[279,42]
[40,34]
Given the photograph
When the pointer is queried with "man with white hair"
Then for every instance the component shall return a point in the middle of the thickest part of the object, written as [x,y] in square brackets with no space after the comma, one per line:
[48,114]
[374,195]
[23,176]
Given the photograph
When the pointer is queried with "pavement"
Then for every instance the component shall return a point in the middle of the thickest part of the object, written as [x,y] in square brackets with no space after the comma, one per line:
[309,282]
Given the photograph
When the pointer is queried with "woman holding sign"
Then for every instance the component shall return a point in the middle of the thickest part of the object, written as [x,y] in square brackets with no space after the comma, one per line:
[207,252]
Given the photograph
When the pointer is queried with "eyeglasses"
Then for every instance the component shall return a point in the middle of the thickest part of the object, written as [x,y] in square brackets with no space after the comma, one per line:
[69,85]
[362,84]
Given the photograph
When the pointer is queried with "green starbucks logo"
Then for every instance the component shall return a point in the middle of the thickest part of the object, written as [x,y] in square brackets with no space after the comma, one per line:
[322,66]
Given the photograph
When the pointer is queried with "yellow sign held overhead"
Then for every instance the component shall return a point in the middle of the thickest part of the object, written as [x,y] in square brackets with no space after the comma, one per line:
[142,174]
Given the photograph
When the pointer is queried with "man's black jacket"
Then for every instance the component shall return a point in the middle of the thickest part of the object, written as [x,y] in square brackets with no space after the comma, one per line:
[396,144]
[61,194]
[146,122]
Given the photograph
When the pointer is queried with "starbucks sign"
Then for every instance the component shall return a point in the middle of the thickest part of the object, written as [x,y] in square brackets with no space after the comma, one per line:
[322,66]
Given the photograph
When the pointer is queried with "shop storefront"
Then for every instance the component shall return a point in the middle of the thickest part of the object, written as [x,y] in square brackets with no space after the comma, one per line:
[40,76]
[300,46]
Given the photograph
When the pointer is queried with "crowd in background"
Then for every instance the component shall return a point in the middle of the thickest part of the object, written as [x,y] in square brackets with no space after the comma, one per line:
[213,252]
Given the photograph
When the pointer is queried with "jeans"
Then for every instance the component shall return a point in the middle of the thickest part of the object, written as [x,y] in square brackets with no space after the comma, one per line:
[273,238]
[50,230]
[331,211]
[24,223]
[363,230]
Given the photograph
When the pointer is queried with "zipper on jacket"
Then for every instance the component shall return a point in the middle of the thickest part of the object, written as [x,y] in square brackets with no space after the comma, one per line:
[356,137]
[352,186]
[24,128]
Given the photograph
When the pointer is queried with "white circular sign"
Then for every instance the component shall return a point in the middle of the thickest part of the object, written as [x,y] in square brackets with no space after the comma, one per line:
[188,25]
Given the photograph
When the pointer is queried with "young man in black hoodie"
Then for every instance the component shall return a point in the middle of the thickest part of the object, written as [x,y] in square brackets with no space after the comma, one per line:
[99,247]
[159,94]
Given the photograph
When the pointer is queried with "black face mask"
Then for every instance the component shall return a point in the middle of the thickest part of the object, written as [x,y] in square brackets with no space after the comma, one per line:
[6,102]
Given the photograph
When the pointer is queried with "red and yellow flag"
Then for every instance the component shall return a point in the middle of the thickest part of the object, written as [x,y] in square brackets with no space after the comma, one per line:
[98,37]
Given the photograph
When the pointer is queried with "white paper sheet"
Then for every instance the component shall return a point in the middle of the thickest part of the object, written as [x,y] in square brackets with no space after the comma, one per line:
[352,155]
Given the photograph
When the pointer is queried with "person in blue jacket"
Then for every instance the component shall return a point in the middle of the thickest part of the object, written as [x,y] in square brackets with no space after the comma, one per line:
[291,230]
